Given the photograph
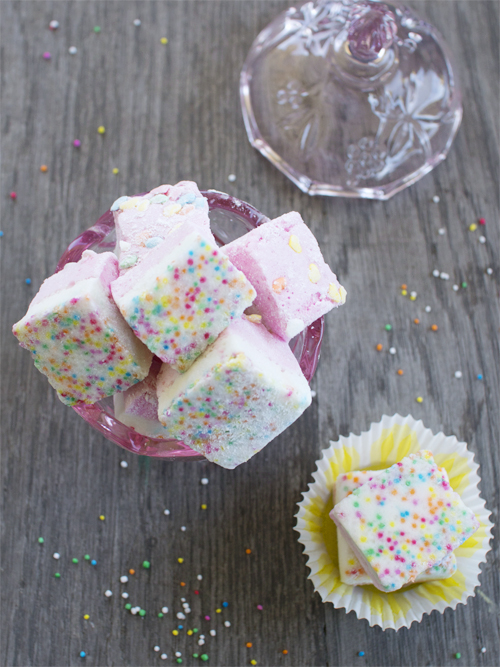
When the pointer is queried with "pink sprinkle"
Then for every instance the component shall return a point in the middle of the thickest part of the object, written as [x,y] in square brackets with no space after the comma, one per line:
[13,195]
[482,221]
[196,592]
[260,607]
[207,618]
[47,55]
[77,143]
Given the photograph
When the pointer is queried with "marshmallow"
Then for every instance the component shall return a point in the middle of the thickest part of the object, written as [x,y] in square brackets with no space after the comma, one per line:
[404,521]
[294,285]
[351,571]
[183,296]
[242,392]
[143,222]
[77,336]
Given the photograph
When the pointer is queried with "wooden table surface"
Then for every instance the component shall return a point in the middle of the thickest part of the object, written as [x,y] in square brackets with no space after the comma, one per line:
[172,112]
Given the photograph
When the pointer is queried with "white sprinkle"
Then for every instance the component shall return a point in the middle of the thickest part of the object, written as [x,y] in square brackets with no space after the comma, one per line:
[199,577]
[108,593]
[72,50]
[56,556]
[201,642]
[185,604]
[227,624]
[202,636]
[125,595]
[436,199]
[124,579]
[156,648]
[455,288]
[489,271]
[164,610]
[413,294]
[124,464]
[166,512]
[231,178]
[183,599]
[313,393]
[435,273]
[183,528]
[163,656]
[442,231]
[458,374]
[54,25]
[187,610]
[204,481]
[428,309]
[137,22]
[483,650]
[135,610]
[482,239]
[444,276]
[180,616]
[212,633]
[392,350]
[178,654]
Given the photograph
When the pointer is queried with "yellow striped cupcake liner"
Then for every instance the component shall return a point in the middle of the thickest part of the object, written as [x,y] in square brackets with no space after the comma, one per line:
[382,445]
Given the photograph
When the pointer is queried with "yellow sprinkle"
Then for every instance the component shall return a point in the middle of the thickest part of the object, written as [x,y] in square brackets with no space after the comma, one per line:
[473,227]
[86,617]
[404,292]
[218,611]
[144,205]
[294,243]
[102,517]
[254,318]
[130,203]
[190,632]
[101,129]
[180,560]
[116,170]
[420,399]
[171,210]
[314,274]
[203,507]
[253,662]
[175,632]
[44,168]
[336,294]
[164,40]
[412,298]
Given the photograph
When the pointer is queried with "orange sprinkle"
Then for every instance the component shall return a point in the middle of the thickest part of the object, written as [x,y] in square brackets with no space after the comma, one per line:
[279,285]
[434,327]
[403,286]
[400,371]
[248,551]
[131,571]
[182,583]
[285,652]
[44,168]
[416,321]
[249,644]
[379,347]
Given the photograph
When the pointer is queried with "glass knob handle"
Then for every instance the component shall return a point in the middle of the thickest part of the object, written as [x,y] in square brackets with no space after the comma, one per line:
[372,30]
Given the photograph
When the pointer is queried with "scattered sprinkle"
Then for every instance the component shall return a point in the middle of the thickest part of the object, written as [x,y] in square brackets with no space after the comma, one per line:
[56,556]
[361,654]
[142,612]
[137,22]
[483,650]
[175,632]
[203,506]
[86,557]
[204,657]
[489,271]
[218,611]
[182,583]
[204,481]
[44,168]
[125,595]
[392,350]
[212,633]
[82,654]
[404,286]
[164,610]
[482,221]
[108,593]
[1,234]
[13,195]
[420,399]
[163,656]
[479,377]
[442,231]
[416,321]
[199,577]
[455,288]
[225,604]
[183,528]
[102,517]
[458,374]
[146,564]
[253,662]
[86,617]
[97,29]
[473,227]
[74,560]
[207,618]
[166,512]
[458,656]
[28,281]
[180,560]
[428,309]
[482,239]
[156,648]
[249,644]
[123,464]
[231,178]
[284,651]
[260,607]
[116,171]
[164,40]
[101,129]
[404,292]
[436,200]
[93,562]
[227,624]
[40,540]
[400,371]
[77,143]
[379,347]
[388,327]
[57,575]
[434,327]
[435,273]
[46,55]
[54,25]
[72,50]
[248,551]
[444,276]
[413,296]
[128,606]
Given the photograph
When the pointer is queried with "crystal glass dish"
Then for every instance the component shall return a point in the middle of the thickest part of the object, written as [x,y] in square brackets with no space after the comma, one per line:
[350,98]
[229,219]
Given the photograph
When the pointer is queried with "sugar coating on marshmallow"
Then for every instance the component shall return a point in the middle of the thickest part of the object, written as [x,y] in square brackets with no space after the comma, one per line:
[183,296]
[242,392]
[143,222]
[404,521]
[294,285]
[351,570]
[138,406]
[77,335]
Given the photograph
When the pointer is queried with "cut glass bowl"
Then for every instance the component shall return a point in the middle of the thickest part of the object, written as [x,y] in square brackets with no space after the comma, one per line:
[229,219]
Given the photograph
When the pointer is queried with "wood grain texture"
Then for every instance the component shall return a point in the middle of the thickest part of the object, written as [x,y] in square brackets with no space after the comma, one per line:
[172,112]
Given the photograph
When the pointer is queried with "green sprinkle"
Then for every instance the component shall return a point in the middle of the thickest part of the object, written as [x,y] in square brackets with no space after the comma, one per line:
[40,540]
[142,612]
[204,657]
[57,575]
[179,660]
[97,28]
[388,327]
[128,606]
[464,284]
[160,615]
[146,565]
[458,656]
[87,557]
[75,561]
[195,630]
[195,655]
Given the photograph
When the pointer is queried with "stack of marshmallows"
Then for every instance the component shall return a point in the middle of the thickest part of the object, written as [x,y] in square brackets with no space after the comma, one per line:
[160,324]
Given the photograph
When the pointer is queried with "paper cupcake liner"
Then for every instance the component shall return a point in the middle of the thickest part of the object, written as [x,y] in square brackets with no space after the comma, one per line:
[382,445]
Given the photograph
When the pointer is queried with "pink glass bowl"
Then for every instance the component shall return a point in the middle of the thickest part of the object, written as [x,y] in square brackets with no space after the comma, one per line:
[229,219]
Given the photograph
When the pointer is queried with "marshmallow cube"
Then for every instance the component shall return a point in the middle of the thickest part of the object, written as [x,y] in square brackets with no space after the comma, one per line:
[183,296]
[138,406]
[351,570]
[294,285]
[242,392]
[77,335]
[142,223]
[404,521]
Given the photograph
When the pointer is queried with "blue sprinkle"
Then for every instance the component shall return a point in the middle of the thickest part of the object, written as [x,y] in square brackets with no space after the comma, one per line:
[82,654]
[1,234]
[116,204]
[153,241]
[199,202]
[361,654]
[479,377]
[180,627]
[28,281]
[225,604]
[93,562]
[188,198]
